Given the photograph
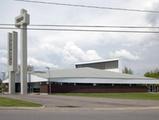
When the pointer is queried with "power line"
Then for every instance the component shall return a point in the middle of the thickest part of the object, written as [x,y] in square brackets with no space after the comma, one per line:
[85,30]
[94,26]
[85,26]
[90,6]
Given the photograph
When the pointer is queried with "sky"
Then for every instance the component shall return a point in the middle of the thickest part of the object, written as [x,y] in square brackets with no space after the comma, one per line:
[60,50]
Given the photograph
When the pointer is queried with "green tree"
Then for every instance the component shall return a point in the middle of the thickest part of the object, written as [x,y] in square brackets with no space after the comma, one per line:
[152,74]
[2,87]
[127,70]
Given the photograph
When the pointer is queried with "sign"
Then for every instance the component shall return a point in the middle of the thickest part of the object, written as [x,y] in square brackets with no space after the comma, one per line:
[22,19]
[12,51]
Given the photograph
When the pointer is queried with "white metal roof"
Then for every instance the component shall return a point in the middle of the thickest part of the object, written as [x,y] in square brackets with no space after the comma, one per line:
[89,75]
[33,78]
[105,81]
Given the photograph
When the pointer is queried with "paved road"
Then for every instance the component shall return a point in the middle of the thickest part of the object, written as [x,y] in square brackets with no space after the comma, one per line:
[56,101]
[82,108]
[46,114]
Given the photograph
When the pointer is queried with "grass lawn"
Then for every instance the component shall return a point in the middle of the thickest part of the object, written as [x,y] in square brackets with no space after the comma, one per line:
[142,96]
[9,102]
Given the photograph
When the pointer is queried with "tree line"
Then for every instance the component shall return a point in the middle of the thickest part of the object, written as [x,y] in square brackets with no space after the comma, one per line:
[152,73]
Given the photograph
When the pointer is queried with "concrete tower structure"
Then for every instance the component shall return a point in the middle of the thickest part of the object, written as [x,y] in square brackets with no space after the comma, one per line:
[21,22]
[12,60]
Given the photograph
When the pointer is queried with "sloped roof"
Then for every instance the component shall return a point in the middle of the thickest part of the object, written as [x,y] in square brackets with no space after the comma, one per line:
[90,75]
[98,61]
[34,78]
[87,73]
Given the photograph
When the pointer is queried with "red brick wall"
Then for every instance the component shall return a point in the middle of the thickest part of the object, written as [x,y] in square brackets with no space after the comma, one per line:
[96,89]
[43,88]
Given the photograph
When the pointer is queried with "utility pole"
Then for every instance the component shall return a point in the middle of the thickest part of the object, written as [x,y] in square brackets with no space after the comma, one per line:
[12,60]
[21,22]
[49,82]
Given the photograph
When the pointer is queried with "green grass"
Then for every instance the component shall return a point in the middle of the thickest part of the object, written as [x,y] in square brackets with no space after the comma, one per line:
[9,102]
[141,96]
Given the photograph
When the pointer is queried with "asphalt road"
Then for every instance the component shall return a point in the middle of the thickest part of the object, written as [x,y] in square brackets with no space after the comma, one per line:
[56,101]
[82,108]
[46,114]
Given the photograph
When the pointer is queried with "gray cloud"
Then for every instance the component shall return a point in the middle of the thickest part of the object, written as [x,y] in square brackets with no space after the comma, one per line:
[54,48]
[153,19]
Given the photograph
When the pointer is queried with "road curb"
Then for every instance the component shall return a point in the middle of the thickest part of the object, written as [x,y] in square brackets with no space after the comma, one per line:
[22,108]
[74,109]
[129,108]
[100,108]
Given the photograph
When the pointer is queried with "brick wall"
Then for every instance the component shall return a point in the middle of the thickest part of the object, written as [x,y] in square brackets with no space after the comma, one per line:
[96,89]
[43,88]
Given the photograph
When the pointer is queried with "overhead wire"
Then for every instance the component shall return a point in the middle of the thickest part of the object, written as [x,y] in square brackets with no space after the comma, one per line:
[91,6]
[84,26]
[85,30]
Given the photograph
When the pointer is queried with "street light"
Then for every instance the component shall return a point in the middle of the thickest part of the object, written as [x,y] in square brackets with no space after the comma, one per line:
[49,80]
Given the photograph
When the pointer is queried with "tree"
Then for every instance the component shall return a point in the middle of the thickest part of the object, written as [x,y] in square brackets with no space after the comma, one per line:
[152,74]
[127,70]
[30,68]
[2,87]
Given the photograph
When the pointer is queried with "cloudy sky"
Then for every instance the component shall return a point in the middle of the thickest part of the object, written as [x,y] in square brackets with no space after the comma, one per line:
[62,49]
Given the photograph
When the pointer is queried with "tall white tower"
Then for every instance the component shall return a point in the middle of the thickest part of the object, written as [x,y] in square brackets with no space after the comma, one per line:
[21,22]
[12,60]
